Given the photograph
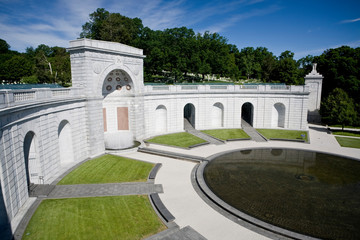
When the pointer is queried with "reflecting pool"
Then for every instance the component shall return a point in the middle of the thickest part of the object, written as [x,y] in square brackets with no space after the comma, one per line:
[306,192]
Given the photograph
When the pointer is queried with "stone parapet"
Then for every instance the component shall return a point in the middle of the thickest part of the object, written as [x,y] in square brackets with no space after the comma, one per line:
[10,98]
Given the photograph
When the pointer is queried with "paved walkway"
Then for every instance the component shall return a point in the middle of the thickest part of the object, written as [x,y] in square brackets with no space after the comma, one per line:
[252,132]
[189,209]
[100,190]
[190,129]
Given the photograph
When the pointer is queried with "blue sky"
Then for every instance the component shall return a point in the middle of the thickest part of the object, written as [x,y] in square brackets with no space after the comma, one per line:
[303,27]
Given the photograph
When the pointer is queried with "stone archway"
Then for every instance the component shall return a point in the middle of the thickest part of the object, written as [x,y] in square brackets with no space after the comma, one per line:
[189,114]
[247,113]
[117,90]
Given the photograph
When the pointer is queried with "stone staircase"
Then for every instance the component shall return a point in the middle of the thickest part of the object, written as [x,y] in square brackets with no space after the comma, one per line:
[190,129]
[252,132]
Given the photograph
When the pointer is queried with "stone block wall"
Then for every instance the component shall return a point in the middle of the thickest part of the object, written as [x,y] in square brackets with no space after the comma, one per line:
[43,119]
[263,106]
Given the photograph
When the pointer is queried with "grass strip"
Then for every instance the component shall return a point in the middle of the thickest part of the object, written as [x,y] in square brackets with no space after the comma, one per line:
[351,134]
[283,134]
[348,142]
[182,139]
[108,169]
[340,126]
[225,134]
[120,217]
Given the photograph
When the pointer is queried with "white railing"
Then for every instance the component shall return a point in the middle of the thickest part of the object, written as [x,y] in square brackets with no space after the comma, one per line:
[169,89]
[280,87]
[11,97]
[60,92]
[248,86]
[189,87]
[217,87]
[160,88]
[24,96]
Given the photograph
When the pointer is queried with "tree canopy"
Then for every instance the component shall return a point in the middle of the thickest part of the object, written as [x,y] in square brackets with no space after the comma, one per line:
[338,108]
[43,64]
[179,54]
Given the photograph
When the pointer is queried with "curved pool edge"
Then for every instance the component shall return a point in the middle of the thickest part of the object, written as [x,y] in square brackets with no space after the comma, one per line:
[199,179]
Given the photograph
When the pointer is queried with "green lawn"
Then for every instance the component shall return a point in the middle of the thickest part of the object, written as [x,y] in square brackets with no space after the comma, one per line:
[340,126]
[348,142]
[225,134]
[121,217]
[182,139]
[283,134]
[352,134]
[108,169]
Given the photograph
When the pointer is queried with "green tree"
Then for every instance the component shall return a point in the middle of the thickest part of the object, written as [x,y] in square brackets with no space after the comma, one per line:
[17,67]
[338,108]
[51,65]
[305,65]
[115,27]
[30,80]
[256,63]
[341,69]
[287,69]
[4,46]
[93,28]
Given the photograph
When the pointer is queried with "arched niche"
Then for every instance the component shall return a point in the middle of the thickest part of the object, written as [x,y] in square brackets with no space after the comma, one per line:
[31,157]
[161,119]
[65,143]
[278,115]
[217,115]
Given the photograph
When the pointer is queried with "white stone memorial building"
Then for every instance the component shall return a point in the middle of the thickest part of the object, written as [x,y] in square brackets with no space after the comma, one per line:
[46,131]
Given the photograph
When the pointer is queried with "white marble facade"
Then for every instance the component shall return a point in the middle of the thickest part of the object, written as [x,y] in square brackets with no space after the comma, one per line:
[45,131]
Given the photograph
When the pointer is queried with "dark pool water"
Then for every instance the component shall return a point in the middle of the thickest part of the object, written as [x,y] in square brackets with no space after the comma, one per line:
[310,193]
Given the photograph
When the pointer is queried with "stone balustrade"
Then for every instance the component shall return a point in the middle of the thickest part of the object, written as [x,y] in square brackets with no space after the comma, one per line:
[9,98]
[169,89]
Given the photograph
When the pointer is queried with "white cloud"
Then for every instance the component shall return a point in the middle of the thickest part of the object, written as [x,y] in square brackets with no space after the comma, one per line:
[61,21]
[219,27]
[351,20]
[156,14]
[20,38]
[319,51]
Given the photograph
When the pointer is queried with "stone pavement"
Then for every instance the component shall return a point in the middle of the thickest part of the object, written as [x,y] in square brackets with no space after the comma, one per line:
[189,209]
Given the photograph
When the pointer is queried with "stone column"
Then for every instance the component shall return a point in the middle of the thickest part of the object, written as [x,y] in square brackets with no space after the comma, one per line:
[314,81]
